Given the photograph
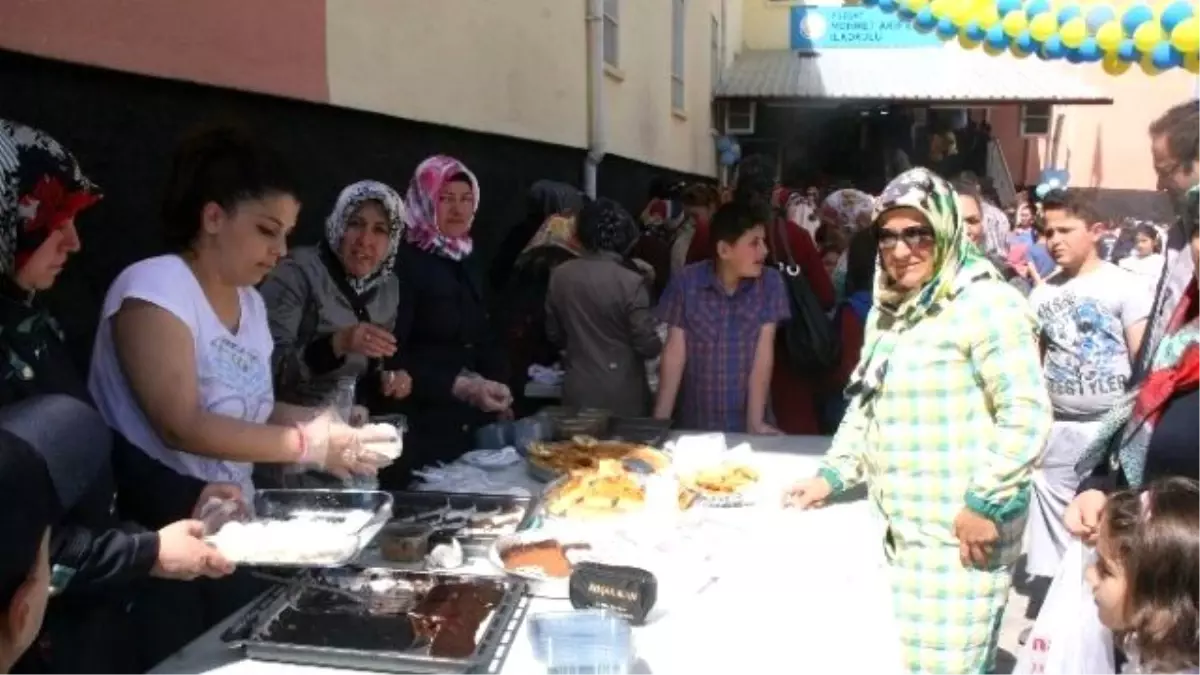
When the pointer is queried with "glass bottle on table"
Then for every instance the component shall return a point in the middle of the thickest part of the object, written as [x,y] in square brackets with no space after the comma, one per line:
[343,403]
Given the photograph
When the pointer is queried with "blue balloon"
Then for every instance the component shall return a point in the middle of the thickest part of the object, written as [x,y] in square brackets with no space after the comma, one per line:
[1165,56]
[1035,7]
[904,13]
[1067,13]
[1127,52]
[1041,190]
[974,32]
[724,144]
[1098,16]
[1090,51]
[1136,16]
[736,150]
[996,39]
[1174,13]
[925,19]
[1073,56]
[888,6]
[869,3]
[946,28]
[1003,7]
[728,158]
[1053,48]
[1026,43]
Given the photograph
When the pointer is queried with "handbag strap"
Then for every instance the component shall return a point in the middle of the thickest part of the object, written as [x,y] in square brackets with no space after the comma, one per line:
[778,240]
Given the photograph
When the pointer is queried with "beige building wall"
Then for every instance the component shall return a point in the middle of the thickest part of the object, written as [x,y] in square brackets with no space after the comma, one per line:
[641,122]
[519,68]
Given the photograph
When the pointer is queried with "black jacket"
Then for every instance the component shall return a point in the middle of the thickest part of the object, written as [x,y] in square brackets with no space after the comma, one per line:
[442,329]
[95,555]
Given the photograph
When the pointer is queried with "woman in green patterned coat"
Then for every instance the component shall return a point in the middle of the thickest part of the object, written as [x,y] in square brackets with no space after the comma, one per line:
[947,414]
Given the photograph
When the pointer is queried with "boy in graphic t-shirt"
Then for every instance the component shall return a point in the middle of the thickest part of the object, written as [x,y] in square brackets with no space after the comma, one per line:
[1091,316]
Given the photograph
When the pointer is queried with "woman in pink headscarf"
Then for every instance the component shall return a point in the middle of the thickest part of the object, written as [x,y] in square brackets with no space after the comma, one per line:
[443,336]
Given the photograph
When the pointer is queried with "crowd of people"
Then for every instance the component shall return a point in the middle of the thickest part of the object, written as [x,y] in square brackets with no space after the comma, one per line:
[982,374]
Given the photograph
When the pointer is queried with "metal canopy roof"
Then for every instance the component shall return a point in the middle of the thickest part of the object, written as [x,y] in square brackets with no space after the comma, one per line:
[947,73]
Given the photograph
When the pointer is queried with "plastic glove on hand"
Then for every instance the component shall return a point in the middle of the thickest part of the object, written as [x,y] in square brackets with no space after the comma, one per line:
[379,444]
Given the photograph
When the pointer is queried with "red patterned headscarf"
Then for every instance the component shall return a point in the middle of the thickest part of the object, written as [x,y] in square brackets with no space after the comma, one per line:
[41,189]
[423,191]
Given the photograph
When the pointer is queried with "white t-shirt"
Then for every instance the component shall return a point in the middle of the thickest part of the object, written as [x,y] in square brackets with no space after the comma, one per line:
[1083,322]
[233,371]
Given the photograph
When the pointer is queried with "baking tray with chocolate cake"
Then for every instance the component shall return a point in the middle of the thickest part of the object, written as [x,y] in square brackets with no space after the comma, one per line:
[387,620]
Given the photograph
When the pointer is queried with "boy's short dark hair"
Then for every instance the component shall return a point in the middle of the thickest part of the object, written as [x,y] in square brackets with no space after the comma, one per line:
[1181,126]
[731,221]
[1076,202]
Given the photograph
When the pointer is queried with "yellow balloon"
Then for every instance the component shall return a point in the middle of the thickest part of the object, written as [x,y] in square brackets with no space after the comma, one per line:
[1073,32]
[962,12]
[1148,67]
[1147,36]
[1042,26]
[940,8]
[994,51]
[1186,36]
[1192,63]
[986,15]
[1015,23]
[915,6]
[966,42]
[1017,51]
[1114,66]
[1109,36]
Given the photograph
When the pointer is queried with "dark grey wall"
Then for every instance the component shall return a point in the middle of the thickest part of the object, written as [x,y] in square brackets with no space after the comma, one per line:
[123,127]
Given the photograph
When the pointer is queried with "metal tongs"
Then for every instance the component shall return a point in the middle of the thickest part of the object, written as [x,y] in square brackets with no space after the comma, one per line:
[301,582]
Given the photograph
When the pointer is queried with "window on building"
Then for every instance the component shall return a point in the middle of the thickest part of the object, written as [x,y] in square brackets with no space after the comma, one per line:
[678,50]
[1035,119]
[715,47]
[739,117]
[612,27]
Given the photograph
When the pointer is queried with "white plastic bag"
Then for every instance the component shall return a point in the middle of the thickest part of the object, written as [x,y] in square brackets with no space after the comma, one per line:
[1067,637]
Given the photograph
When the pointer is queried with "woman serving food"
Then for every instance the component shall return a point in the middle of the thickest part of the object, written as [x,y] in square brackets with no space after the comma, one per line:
[947,413]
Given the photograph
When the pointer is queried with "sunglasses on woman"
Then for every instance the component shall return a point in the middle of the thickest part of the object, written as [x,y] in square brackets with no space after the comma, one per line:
[914,237]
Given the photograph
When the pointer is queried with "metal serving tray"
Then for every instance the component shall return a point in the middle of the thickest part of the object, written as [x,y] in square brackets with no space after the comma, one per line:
[285,609]
[334,506]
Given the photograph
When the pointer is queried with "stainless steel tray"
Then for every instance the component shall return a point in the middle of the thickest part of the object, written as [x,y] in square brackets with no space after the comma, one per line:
[251,633]
[333,506]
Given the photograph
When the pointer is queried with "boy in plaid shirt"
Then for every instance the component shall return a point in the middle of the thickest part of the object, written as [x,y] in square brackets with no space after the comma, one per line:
[722,315]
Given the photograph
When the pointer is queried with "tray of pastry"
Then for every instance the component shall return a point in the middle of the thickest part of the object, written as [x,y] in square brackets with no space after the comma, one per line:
[550,461]
[423,520]
[387,620]
[610,489]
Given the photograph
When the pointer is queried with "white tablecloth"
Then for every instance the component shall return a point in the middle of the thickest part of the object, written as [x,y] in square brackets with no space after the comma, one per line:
[799,590]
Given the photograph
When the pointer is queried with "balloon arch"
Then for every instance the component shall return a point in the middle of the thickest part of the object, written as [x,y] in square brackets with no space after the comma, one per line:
[1158,36]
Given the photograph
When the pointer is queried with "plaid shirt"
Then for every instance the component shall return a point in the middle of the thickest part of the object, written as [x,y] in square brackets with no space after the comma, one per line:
[722,332]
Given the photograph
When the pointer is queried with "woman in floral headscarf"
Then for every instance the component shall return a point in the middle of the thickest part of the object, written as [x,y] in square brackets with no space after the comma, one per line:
[443,334]
[332,306]
[947,413]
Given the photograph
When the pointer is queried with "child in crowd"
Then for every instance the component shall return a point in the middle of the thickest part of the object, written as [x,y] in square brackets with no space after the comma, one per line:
[1091,318]
[721,342]
[1147,575]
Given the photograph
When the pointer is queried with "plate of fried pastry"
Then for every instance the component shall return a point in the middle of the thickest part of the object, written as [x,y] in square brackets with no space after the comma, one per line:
[610,489]
[550,461]
[724,484]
